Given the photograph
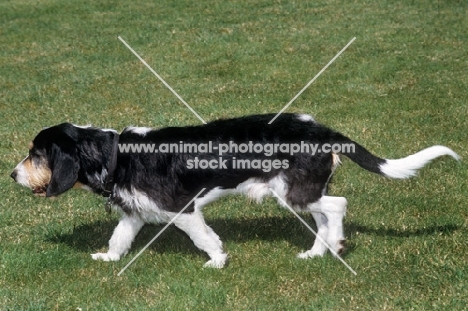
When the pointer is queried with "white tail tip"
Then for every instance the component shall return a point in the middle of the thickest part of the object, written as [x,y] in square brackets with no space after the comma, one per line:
[407,167]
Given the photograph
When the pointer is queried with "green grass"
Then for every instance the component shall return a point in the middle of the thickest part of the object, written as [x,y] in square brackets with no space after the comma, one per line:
[401,86]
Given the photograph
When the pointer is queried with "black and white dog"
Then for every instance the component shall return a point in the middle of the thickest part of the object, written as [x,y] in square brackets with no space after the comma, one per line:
[242,155]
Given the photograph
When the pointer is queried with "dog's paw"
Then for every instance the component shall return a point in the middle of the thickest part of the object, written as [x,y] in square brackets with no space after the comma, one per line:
[217,262]
[309,254]
[340,247]
[106,256]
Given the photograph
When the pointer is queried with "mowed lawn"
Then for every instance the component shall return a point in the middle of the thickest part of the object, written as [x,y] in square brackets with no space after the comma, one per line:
[401,86]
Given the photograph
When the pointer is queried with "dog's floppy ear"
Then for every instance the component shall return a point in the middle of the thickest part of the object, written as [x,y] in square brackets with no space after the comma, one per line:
[64,166]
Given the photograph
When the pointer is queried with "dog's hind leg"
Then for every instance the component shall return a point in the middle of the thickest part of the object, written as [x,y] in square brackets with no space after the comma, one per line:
[319,248]
[335,210]
[203,237]
[332,211]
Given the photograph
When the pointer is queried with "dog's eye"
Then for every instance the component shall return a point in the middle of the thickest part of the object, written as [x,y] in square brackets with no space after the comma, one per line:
[34,154]
[36,157]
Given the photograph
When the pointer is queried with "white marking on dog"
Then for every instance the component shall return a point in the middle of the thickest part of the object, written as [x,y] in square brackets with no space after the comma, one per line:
[22,176]
[162,230]
[325,204]
[407,167]
[139,130]
[306,118]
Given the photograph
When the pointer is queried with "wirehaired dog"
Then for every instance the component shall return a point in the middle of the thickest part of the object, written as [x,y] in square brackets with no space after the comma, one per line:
[152,187]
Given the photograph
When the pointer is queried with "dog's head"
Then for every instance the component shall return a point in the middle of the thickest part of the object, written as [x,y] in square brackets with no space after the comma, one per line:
[52,166]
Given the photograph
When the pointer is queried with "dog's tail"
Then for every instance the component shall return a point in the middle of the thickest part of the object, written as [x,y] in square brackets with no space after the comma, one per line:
[398,168]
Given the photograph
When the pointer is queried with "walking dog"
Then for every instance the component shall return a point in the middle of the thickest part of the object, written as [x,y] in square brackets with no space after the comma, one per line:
[154,186]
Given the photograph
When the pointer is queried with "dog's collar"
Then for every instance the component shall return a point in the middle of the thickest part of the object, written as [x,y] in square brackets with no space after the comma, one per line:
[109,182]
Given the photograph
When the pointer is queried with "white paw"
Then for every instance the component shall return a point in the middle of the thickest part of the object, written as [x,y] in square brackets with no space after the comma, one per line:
[106,256]
[309,254]
[217,262]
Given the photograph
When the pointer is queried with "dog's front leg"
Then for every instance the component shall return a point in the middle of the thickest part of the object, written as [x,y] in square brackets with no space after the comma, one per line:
[203,237]
[122,238]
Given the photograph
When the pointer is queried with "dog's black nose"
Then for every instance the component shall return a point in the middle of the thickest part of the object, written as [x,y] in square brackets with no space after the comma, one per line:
[14,174]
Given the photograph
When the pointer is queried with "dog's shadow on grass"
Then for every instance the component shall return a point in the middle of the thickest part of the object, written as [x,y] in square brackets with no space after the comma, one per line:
[94,237]
[403,233]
